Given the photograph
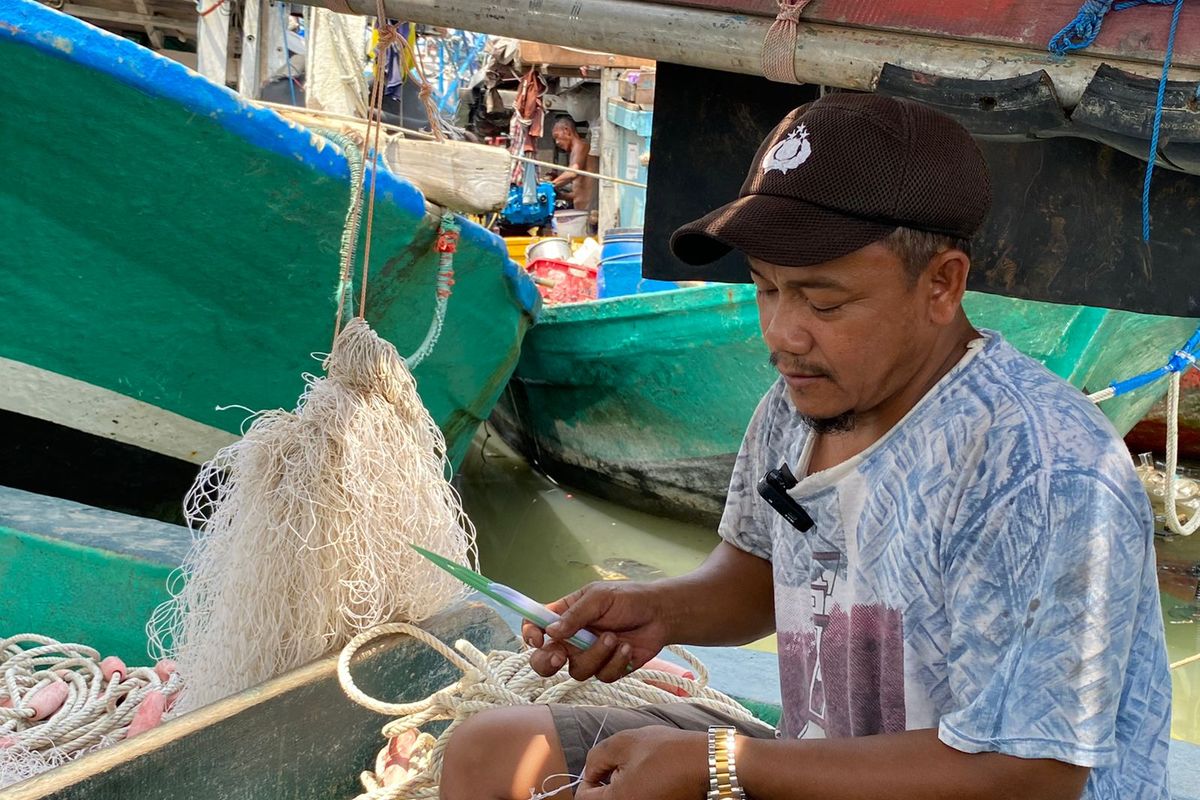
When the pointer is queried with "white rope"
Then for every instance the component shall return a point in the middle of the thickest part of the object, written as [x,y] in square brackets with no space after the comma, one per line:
[1106,393]
[504,678]
[1173,523]
[56,703]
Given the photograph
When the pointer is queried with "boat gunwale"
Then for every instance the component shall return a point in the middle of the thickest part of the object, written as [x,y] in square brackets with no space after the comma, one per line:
[649,304]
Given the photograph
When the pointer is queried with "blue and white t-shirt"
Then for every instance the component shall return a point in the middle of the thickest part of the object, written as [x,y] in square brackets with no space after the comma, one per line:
[986,568]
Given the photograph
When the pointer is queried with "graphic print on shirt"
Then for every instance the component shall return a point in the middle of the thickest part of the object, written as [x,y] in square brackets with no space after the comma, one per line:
[852,669]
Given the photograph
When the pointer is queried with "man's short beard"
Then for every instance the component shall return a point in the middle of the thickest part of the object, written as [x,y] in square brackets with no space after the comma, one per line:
[842,423]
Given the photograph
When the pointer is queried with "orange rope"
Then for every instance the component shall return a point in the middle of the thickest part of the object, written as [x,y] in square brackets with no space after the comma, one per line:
[212,8]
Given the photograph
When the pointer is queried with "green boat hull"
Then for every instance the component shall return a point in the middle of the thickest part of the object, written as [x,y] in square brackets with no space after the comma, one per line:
[296,736]
[170,249]
[644,399]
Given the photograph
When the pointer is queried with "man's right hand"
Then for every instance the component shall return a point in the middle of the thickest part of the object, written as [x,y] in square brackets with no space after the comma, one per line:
[629,622]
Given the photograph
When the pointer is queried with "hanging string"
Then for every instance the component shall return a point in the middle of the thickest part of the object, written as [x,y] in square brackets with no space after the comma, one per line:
[1158,111]
[385,35]
[1083,30]
[354,157]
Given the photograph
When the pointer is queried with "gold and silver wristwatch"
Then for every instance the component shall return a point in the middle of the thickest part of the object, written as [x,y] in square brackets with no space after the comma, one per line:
[722,768]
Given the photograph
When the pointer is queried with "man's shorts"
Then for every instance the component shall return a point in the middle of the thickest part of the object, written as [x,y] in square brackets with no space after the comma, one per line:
[581,727]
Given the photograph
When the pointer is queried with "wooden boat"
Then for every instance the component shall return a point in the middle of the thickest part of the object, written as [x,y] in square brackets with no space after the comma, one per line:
[171,249]
[296,736]
[644,399]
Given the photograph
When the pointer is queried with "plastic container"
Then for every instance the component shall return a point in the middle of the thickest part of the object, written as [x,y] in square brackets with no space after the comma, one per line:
[570,223]
[620,270]
[562,281]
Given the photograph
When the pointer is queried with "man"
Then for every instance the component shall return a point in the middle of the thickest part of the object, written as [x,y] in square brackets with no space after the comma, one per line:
[973,613]
[567,138]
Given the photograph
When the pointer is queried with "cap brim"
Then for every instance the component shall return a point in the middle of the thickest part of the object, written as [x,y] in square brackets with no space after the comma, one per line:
[779,230]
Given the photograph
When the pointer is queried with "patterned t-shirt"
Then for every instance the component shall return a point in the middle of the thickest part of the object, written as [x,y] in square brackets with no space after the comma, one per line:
[986,568]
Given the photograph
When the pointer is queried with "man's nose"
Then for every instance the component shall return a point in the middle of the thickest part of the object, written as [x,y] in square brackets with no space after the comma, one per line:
[787,329]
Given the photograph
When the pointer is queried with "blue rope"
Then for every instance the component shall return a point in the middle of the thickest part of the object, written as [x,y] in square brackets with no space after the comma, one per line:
[1084,29]
[1179,361]
[1158,110]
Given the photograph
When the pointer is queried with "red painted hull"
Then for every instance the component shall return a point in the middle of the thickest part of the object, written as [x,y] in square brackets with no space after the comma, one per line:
[1150,435]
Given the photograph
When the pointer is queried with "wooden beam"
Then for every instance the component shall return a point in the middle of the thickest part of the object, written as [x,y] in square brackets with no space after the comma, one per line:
[610,199]
[155,35]
[128,18]
[554,55]
[250,68]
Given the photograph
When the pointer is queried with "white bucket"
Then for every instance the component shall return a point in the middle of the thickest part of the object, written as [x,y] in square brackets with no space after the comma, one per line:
[571,223]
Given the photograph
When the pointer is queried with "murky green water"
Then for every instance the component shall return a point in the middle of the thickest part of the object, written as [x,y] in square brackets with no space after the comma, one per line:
[1181,612]
[548,540]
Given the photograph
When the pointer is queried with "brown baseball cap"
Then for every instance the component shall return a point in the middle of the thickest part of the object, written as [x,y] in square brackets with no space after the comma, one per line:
[842,172]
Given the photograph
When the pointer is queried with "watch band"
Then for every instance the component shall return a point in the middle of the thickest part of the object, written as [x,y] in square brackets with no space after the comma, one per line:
[722,767]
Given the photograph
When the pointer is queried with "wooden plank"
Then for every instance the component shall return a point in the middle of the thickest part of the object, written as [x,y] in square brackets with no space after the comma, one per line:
[250,64]
[559,56]
[1138,33]
[96,14]
[154,34]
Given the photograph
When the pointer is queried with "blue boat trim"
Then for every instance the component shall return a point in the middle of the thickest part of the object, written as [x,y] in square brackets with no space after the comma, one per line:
[62,36]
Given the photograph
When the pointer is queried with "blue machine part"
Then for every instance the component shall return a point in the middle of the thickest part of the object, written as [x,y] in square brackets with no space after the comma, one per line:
[518,212]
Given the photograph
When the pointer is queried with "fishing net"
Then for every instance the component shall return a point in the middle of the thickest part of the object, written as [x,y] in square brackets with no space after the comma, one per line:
[301,528]
[59,701]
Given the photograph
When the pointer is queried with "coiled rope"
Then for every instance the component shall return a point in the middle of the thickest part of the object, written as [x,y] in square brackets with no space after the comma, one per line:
[503,678]
[59,700]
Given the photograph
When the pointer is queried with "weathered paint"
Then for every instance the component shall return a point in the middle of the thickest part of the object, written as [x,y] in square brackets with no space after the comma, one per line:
[82,574]
[296,736]
[102,412]
[644,399]
[1139,33]
[168,242]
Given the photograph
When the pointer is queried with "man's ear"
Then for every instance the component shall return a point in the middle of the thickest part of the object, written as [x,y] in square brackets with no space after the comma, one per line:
[947,275]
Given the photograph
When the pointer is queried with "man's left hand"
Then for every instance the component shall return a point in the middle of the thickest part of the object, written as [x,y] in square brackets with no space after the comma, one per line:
[652,763]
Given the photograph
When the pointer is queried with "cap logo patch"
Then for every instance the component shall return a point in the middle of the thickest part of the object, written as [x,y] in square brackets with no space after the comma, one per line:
[790,153]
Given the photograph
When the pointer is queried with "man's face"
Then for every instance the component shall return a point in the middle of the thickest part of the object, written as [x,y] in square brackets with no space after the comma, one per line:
[847,334]
[562,138]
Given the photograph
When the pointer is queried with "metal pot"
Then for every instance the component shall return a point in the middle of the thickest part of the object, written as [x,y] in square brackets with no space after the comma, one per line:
[554,247]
